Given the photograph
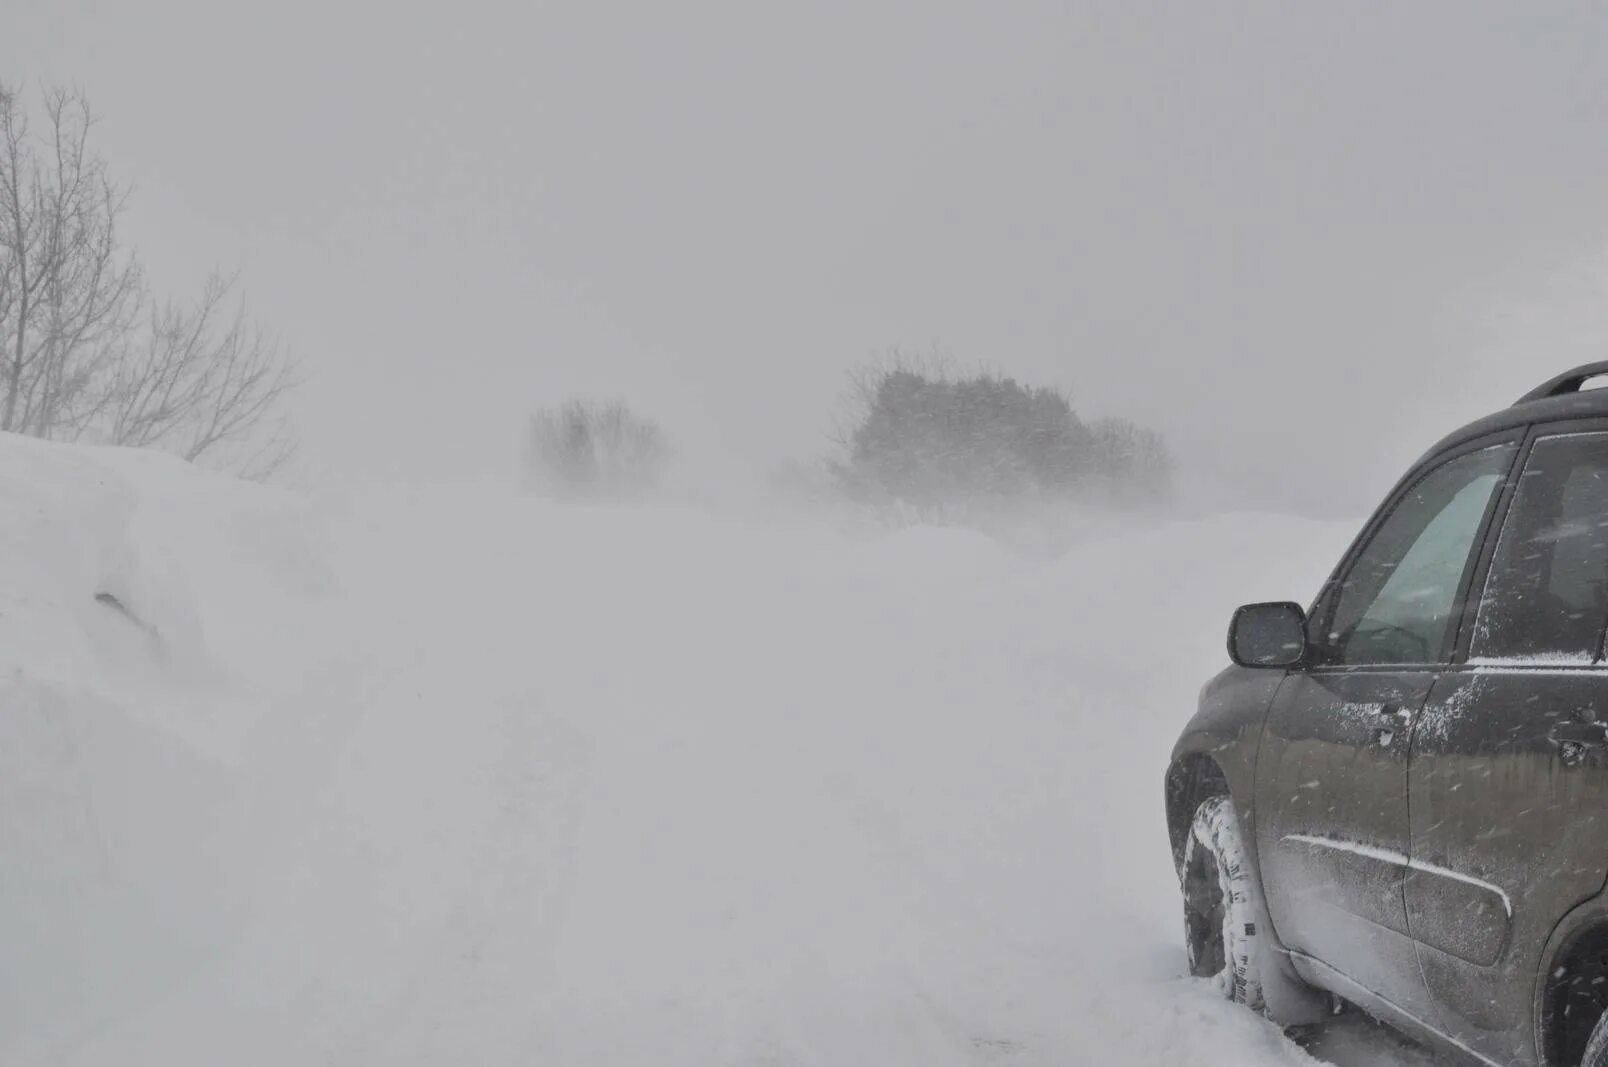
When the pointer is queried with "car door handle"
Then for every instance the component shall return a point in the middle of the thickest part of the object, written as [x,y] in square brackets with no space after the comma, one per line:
[1574,738]
[1590,734]
[1392,717]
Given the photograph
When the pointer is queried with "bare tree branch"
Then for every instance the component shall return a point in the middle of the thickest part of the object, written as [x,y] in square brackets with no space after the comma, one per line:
[203,382]
[84,352]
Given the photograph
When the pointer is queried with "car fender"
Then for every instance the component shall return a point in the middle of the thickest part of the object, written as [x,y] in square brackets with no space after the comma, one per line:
[1589,915]
[1227,729]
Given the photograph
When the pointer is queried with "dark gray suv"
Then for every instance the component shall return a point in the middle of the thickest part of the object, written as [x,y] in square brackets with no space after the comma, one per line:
[1399,798]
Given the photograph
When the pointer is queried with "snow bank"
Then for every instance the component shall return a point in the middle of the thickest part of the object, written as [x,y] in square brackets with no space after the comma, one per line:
[445,776]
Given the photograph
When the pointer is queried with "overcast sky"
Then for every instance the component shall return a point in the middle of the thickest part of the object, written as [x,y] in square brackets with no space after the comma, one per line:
[1301,239]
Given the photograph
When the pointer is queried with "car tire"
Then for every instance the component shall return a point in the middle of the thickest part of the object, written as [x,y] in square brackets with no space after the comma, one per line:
[1596,1054]
[1220,920]
[1226,930]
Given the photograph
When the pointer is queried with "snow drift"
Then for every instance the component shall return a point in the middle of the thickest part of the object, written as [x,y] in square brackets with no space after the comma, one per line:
[447,776]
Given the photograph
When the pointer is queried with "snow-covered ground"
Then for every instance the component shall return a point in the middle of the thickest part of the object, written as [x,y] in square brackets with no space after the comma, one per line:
[446,776]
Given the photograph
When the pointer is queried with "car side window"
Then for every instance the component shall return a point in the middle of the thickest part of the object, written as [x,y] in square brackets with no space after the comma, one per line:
[1395,603]
[1546,599]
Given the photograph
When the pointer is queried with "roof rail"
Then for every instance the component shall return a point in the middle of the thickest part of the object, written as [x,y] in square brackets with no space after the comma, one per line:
[1568,382]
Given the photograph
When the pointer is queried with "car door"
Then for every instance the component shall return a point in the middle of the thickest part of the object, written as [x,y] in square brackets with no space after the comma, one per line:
[1332,824]
[1508,777]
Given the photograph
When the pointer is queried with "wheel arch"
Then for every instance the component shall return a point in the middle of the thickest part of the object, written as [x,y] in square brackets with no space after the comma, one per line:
[1192,779]
[1571,989]
[1216,753]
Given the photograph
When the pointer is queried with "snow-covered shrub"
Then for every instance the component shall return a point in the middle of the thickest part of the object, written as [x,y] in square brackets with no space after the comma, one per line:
[600,448]
[944,447]
[1134,463]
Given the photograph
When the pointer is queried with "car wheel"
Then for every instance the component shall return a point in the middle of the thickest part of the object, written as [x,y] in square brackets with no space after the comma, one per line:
[1223,906]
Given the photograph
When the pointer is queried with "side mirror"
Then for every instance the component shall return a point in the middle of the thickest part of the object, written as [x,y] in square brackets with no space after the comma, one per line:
[1268,635]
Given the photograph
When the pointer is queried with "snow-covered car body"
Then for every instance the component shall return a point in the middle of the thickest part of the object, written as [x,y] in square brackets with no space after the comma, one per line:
[1421,771]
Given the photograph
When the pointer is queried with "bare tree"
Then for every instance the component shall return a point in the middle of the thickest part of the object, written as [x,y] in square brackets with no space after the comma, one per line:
[85,353]
[203,380]
[585,446]
[71,293]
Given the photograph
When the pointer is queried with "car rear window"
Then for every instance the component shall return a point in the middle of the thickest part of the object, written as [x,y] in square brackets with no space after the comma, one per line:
[1546,598]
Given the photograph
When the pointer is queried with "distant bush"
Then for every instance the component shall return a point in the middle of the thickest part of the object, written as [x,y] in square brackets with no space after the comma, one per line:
[587,447]
[1133,462]
[942,445]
